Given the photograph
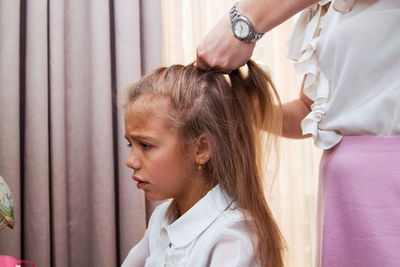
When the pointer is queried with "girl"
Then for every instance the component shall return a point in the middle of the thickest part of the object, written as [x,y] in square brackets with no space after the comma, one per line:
[195,139]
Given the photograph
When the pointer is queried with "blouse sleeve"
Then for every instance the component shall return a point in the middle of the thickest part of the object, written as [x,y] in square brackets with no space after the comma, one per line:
[233,248]
[138,254]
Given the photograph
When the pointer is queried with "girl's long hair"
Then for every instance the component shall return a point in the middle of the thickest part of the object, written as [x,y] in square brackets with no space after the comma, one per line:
[231,113]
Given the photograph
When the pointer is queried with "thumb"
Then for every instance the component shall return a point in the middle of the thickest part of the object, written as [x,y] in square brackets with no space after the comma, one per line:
[200,65]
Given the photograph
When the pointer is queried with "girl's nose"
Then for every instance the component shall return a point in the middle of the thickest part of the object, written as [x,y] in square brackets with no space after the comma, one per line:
[133,162]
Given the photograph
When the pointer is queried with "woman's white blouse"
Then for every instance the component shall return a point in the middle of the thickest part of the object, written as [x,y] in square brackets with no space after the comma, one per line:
[212,233]
[351,56]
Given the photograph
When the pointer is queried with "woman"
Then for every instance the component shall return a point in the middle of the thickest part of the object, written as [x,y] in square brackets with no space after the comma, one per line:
[348,52]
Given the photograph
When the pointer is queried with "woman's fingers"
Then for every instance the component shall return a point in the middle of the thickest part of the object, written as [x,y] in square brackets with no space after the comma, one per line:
[220,50]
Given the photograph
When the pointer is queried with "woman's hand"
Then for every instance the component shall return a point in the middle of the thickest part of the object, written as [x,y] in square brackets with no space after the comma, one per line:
[220,50]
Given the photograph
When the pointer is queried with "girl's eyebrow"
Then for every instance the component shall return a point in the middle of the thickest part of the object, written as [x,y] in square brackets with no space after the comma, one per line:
[139,137]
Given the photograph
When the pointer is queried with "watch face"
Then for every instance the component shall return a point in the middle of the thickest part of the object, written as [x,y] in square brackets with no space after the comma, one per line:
[241,29]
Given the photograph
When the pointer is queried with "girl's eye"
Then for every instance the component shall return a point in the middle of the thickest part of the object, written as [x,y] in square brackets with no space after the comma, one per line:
[145,146]
[129,145]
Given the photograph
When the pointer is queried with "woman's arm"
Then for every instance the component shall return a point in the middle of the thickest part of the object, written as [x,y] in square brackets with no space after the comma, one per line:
[220,50]
[293,113]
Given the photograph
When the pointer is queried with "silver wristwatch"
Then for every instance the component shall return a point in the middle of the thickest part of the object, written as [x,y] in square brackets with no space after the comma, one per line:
[242,27]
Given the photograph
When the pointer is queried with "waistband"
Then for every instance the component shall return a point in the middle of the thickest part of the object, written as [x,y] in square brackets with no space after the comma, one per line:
[370,141]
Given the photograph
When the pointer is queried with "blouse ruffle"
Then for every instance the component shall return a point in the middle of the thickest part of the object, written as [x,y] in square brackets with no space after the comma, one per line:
[303,49]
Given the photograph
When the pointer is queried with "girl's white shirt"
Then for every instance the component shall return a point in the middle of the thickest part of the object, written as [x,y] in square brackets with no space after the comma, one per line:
[351,56]
[211,233]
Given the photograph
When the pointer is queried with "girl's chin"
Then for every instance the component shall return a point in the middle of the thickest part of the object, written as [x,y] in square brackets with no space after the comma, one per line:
[153,197]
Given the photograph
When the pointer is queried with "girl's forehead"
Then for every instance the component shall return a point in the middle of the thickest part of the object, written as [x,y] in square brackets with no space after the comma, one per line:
[150,103]
[147,106]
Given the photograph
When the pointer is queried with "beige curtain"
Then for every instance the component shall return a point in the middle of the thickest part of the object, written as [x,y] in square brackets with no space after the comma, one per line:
[62,153]
[294,192]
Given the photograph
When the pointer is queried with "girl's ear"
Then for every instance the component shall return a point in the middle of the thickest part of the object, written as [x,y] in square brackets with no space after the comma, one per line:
[203,150]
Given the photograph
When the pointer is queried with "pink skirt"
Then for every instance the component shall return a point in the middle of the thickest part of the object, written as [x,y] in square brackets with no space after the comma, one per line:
[359,203]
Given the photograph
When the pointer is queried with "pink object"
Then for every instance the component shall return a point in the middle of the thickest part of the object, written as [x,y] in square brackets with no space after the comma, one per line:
[360,202]
[8,261]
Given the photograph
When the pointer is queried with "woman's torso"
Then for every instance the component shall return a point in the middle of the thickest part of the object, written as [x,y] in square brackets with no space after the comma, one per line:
[357,73]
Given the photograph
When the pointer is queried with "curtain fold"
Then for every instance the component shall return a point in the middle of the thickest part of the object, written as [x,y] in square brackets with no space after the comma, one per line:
[58,132]
[36,193]
[63,65]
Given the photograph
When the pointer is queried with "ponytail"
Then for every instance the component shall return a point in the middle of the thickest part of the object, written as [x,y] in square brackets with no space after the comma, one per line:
[258,99]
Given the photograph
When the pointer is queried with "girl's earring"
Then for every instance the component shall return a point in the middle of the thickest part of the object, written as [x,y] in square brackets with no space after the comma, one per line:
[199,166]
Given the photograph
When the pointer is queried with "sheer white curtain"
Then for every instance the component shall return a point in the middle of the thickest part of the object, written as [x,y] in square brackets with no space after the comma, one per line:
[294,192]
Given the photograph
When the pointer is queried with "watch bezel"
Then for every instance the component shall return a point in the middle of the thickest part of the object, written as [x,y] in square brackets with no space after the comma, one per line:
[247,21]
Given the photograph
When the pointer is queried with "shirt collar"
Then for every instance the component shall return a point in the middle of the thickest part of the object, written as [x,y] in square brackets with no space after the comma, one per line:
[198,218]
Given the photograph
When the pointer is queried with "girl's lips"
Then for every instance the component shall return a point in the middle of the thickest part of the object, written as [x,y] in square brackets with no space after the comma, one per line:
[140,183]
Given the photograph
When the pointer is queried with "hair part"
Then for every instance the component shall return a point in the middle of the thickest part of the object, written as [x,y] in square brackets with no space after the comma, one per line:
[231,116]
